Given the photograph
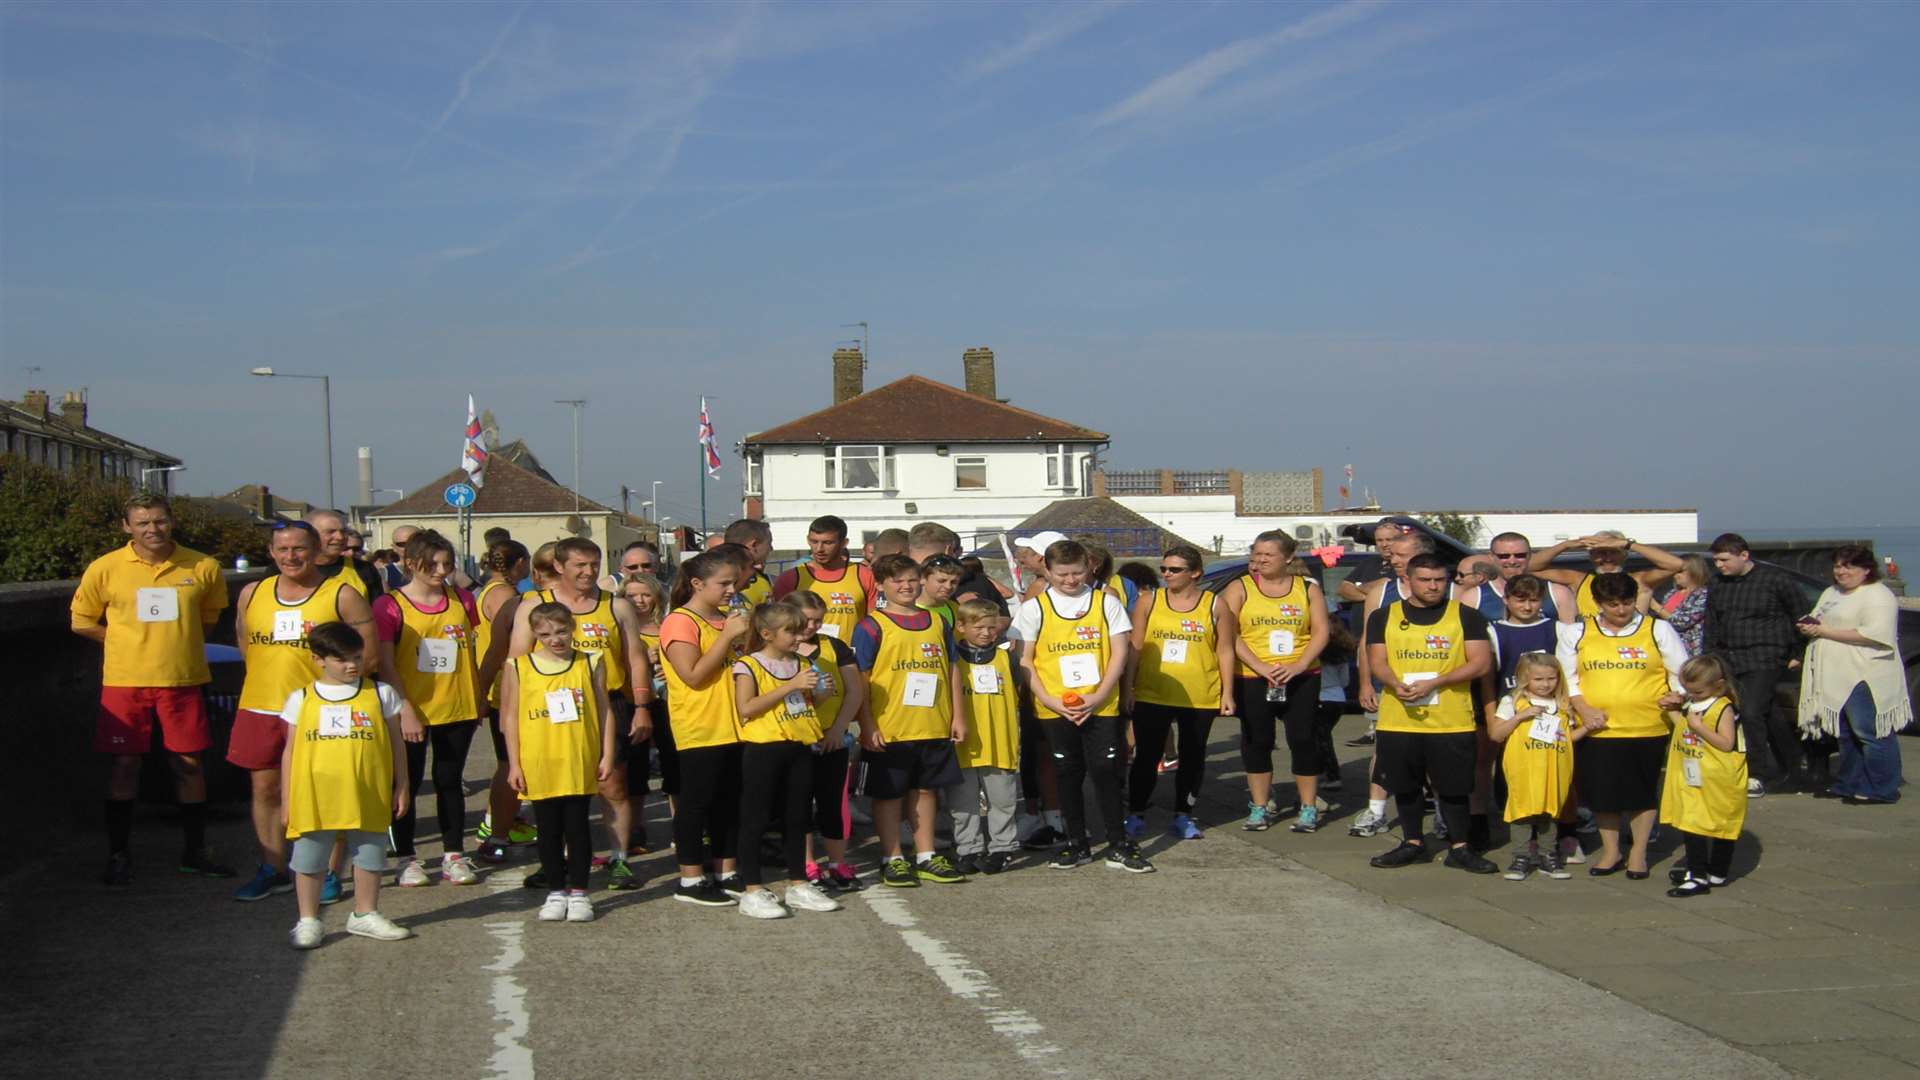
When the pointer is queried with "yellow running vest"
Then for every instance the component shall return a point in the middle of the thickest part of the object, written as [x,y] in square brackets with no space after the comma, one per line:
[341,775]
[560,727]
[1277,628]
[273,641]
[792,718]
[847,601]
[434,657]
[1539,771]
[702,715]
[1706,788]
[1072,654]
[1426,650]
[993,714]
[483,636]
[909,697]
[758,590]
[1583,601]
[1179,663]
[597,632]
[1625,678]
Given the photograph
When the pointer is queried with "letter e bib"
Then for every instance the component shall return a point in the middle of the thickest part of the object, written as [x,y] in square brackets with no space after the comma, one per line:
[1280,642]
[157,605]
[919,689]
[436,656]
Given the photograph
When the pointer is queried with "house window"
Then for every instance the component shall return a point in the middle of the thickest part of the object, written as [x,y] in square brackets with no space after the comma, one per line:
[755,463]
[859,468]
[970,473]
[1061,470]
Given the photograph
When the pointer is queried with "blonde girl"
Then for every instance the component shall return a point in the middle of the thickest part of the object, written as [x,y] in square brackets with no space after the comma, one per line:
[1705,796]
[1535,721]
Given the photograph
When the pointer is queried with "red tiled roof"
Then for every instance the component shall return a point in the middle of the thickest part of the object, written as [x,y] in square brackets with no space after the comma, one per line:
[509,489]
[920,410]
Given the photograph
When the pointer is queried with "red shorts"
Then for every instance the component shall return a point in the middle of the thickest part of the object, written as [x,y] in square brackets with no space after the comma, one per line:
[125,721]
[257,739]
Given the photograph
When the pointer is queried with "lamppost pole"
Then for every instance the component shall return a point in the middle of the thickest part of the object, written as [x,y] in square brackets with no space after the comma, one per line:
[326,415]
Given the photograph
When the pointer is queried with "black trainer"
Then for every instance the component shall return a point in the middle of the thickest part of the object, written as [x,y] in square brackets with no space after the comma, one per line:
[993,862]
[119,873]
[1465,858]
[1042,838]
[733,885]
[535,880]
[967,864]
[898,873]
[1126,856]
[707,894]
[1406,854]
[1071,856]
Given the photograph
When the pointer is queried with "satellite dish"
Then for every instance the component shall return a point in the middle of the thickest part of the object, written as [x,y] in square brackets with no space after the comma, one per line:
[576,524]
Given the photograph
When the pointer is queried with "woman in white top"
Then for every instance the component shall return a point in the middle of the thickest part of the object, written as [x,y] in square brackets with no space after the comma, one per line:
[1854,687]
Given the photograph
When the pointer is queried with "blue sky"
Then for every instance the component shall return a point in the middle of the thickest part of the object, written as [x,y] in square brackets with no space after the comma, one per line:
[1500,255]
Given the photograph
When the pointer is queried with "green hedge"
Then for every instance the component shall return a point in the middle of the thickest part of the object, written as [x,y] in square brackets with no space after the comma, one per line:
[52,524]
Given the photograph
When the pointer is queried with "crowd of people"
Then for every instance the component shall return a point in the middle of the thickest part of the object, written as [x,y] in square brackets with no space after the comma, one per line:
[912,692]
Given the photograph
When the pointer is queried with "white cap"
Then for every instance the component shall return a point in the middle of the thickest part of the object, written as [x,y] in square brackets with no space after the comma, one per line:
[1040,541]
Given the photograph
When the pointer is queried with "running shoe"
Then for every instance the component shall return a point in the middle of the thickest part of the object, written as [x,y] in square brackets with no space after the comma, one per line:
[810,898]
[1308,821]
[1465,858]
[1256,819]
[522,833]
[534,880]
[1126,856]
[1406,854]
[372,924]
[1756,788]
[1168,765]
[456,870]
[620,876]
[119,872]
[266,881]
[201,863]
[1554,865]
[1042,838]
[968,864]
[307,934]
[1368,824]
[330,889]
[555,909]
[706,894]
[1364,740]
[1522,865]
[579,908]
[939,870]
[732,885]
[1070,856]
[993,862]
[491,851]
[412,875]
[1136,826]
[1571,851]
[898,873]
[843,877]
[1185,828]
[761,904]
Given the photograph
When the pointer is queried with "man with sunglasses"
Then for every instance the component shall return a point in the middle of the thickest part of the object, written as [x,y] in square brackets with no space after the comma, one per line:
[1511,554]
[640,558]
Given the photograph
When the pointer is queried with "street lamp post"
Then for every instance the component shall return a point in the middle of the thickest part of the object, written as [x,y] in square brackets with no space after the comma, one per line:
[576,404]
[326,414]
[656,496]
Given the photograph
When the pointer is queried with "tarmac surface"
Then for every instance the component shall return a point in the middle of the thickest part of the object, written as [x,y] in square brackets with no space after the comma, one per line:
[1270,953]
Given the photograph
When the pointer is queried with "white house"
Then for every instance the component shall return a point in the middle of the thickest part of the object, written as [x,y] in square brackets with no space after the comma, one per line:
[914,450]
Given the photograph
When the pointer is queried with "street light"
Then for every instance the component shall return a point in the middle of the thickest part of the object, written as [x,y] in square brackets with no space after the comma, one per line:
[656,495]
[326,405]
[144,473]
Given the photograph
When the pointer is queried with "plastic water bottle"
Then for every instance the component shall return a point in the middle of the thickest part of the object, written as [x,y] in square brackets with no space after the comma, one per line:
[824,688]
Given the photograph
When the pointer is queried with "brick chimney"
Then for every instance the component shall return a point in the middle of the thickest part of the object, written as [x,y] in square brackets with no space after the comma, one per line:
[36,403]
[849,374]
[73,409]
[978,362]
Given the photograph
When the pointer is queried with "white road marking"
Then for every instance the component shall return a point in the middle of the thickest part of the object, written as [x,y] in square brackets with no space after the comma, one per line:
[512,1058]
[968,983]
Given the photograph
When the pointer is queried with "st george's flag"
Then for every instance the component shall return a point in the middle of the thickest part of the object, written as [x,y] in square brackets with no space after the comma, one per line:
[707,441]
[473,452]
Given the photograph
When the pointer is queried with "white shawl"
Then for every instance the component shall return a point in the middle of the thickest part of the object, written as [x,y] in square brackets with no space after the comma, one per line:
[1834,668]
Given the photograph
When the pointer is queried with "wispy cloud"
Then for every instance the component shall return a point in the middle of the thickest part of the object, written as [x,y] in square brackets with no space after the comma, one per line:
[465,86]
[1060,23]
[1179,88]
[253,141]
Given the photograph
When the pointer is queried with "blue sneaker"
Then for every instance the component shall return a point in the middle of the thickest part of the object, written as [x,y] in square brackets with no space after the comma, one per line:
[1136,827]
[1256,819]
[330,888]
[1185,828]
[266,882]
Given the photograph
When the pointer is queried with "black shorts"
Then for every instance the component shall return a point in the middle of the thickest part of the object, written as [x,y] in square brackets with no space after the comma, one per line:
[1404,762]
[1620,775]
[913,765]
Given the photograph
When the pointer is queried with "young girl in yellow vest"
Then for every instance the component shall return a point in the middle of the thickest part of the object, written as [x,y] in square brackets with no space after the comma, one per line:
[1705,796]
[839,700]
[780,736]
[989,757]
[345,778]
[1535,721]
[560,745]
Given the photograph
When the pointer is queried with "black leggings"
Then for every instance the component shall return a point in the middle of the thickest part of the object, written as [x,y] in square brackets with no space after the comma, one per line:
[708,804]
[1413,815]
[1714,854]
[1151,724]
[1325,716]
[775,778]
[830,794]
[1298,715]
[450,743]
[1092,747]
[566,839]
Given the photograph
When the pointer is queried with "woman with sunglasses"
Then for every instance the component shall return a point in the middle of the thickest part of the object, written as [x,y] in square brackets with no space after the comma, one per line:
[1176,683]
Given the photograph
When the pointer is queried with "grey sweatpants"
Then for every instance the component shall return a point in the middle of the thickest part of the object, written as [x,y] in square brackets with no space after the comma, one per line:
[1001,789]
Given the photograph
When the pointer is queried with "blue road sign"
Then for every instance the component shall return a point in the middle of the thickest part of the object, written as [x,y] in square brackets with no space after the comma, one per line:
[460,496]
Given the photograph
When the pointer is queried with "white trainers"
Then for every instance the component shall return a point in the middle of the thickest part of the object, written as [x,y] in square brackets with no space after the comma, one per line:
[376,926]
[1571,851]
[412,875]
[808,898]
[307,934]
[555,909]
[579,909]
[761,904]
[458,870]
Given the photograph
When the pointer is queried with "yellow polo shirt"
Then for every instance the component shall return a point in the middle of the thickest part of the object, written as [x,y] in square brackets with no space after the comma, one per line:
[144,646]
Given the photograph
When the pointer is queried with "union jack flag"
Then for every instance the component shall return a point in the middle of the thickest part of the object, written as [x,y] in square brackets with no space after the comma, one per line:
[1188,626]
[473,452]
[1439,641]
[1088,633]
[930,650]
[840,599]
[456,631]
[1632,652]
[707,441]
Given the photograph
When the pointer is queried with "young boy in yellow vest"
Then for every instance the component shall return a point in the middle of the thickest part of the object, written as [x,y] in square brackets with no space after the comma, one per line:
[345,778]
[990,756]
[939,576]
[914,718]
[1074,640]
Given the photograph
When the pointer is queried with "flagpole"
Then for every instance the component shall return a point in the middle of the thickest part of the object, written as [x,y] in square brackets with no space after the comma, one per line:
[703,493]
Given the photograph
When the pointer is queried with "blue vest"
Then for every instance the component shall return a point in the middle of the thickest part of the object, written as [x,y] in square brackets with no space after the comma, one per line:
[1492,604]
[1514,640]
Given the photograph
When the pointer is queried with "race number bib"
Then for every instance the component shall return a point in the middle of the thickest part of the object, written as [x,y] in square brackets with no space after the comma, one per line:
[1079,669]
[437,656]
[561,708]
[1545,728]
[830,630]
[1173,651]
[157,605]
[336,720]
[1690,768]
[1415,678]
[796,702]
[1280,642]
[986,680]
[288,626]
[920,690]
